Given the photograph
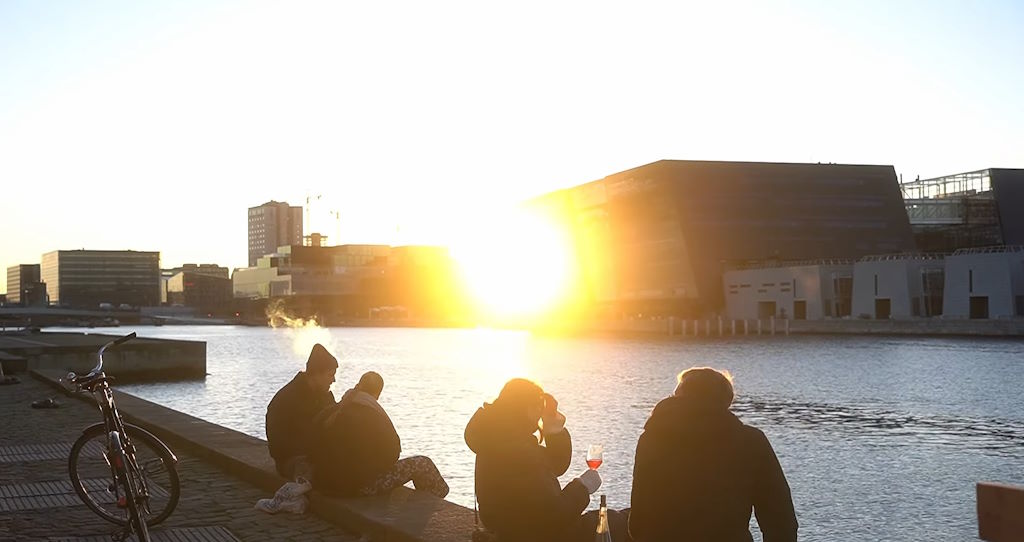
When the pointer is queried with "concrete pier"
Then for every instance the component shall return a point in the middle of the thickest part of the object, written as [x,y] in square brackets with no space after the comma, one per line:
[138,359]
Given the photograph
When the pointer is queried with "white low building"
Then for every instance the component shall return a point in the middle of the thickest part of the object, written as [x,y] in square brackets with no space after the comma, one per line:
[985,283]
[898,286]
[801,291]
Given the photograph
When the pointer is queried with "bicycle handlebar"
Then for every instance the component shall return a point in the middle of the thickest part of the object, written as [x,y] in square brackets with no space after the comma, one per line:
[120,340]
[99,357]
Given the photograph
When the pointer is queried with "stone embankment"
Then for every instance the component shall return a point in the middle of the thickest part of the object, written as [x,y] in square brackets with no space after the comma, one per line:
[138,359]
[721,327]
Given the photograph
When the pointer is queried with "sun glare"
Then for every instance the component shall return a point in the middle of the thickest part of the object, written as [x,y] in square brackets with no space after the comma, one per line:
[516,265]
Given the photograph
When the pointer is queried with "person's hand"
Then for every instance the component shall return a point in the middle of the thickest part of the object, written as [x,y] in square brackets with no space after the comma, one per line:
[591,480]
[550,404]
[552,421]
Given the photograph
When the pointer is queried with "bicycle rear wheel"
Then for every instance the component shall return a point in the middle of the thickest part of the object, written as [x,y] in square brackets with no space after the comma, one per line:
[92,476]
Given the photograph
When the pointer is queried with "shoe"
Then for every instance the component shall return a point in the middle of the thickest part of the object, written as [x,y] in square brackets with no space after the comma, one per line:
[45,403]
[295,505]
[269,506]
[292,490]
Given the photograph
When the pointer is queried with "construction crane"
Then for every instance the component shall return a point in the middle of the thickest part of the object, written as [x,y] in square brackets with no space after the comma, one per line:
[310,198]
[337,226]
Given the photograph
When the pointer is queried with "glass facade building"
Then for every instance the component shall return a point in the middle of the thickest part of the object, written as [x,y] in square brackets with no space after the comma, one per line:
[656,239]
[967,210]
[87,278]
[21,278]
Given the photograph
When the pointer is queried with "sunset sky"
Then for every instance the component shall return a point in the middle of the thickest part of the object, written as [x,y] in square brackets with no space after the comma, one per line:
[155,125]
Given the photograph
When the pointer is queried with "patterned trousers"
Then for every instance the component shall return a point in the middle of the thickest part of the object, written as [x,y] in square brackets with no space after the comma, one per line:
[420,469]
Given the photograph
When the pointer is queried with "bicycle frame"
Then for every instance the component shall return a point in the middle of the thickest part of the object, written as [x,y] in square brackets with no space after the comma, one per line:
[119,444]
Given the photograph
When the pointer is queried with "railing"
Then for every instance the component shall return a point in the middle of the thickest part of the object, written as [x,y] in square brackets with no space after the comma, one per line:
[990,250]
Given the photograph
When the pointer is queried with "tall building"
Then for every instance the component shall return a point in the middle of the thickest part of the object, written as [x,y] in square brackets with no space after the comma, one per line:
[271,225]
[87,278]
[656,239]
[22,279]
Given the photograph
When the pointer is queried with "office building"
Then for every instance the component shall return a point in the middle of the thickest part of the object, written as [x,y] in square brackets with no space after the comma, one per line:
[87,278]
[24,286]
[966,210]
[983,283]
[898,286]
[208,292]
[272,225]
[798,290]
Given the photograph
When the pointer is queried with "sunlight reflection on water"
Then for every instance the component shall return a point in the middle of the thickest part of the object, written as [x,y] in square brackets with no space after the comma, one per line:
[881,439]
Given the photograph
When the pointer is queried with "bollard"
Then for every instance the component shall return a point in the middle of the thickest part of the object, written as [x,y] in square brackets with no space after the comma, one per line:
[772,323]
[758,326]
[696,328]
[786,325]
[733,322]
[719,326]
[707,328]
[684,329]
[671,325]
[746,327]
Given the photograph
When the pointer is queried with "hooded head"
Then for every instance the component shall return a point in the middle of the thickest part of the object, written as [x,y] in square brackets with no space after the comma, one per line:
[320,368]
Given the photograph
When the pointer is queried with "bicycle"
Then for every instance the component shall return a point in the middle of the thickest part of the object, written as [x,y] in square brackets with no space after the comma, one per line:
[122,472]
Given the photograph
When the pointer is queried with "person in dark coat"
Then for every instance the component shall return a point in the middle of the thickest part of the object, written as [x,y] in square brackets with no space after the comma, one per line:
[698,470]
[290,413]
[516,475]
[356,448]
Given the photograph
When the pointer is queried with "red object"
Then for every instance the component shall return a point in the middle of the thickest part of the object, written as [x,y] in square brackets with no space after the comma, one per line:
[594,463]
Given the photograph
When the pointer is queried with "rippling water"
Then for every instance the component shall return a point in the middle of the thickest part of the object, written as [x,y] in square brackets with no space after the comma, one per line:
[881,438]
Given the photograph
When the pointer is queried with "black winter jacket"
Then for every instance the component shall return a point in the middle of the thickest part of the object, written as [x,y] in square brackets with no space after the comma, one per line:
[697,474]
[290,419]
[517,485]
[355,443]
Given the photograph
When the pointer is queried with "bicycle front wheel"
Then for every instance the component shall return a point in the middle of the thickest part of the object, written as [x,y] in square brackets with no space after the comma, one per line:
[91,467]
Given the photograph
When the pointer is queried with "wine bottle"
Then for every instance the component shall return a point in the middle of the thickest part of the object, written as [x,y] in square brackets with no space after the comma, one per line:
[604,534]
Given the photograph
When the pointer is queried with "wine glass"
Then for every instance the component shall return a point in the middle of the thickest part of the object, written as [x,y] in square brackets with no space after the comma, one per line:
[595,456]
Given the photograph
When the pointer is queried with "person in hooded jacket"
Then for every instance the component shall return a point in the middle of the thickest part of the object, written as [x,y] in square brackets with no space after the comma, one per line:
[356,448]
[698,470]
[517,486]
[291,412]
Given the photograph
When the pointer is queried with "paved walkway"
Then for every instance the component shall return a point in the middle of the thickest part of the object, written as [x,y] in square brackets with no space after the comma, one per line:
[213,505]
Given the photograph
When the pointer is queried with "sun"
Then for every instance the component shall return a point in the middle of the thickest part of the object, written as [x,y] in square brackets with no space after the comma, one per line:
[517,265]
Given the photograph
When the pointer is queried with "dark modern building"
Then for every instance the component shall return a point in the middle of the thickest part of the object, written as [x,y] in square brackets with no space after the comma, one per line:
[656,239]
[967,210]
[88,278]
[206,291]
[271,225]
[24,287]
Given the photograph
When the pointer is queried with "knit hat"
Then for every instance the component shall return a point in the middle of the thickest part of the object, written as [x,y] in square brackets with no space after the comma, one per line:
[320,359]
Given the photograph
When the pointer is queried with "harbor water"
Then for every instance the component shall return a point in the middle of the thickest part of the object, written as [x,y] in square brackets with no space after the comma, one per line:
[880,438]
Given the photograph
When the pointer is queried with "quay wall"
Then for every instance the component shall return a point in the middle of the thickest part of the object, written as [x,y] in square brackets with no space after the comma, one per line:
[138,359]
[715,327]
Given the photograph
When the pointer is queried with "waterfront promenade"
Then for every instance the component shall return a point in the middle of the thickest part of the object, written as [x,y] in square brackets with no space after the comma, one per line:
[214,505]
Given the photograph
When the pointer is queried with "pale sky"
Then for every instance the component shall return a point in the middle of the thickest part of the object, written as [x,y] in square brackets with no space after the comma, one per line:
[155,125]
